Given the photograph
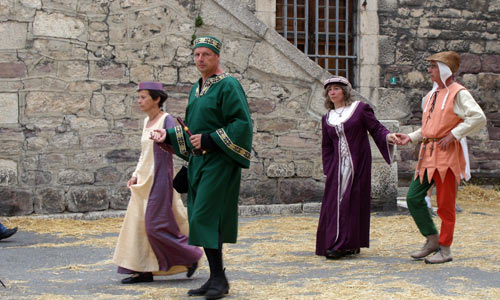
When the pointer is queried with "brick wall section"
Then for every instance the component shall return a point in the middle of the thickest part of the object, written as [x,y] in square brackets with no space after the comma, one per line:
[410,31]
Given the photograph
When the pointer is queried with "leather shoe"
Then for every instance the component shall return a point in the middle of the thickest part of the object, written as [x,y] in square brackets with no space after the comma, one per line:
[8,233]
[219,287]
[334,254]
[352,251]
[138,277]
[192,269]
[201,291]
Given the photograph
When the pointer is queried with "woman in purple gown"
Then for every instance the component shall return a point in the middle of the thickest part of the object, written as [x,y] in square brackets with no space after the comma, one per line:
[153,239]
[344,223]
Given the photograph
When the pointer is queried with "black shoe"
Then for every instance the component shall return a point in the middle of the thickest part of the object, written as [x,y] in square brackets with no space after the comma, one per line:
[219,288]
[201,291]
[138,277]
[8,233]
[334,254]
[352,251]
[192,269]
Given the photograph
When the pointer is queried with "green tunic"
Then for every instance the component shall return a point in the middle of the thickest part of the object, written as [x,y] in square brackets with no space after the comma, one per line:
[218,108]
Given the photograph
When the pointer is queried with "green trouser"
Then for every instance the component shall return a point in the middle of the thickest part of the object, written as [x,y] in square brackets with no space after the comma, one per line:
[418,207]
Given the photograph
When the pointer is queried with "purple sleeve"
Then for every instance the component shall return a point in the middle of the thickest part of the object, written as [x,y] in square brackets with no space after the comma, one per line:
[377,131]
[169,123]
[327,149]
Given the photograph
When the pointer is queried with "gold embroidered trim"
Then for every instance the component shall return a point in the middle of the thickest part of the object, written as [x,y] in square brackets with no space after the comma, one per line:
[180,140]
[235,148]
[208,40]
[209,82]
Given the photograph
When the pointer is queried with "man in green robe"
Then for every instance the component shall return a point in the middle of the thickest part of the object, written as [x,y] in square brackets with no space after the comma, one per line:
[218,116]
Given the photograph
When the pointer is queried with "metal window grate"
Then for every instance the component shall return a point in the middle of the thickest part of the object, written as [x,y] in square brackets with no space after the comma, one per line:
[322,29]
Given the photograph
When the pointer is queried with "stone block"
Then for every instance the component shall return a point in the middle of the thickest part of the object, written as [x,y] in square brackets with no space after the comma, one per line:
[492,47]
[238,51]
[470,81]
[369,22]
[107,70]
[489,81]
[51,103]
[72,70]
[392,104]
[127,124]
[188,74]
[88,158]
[75,177]
[300,190]
[280,169]
[276,125]
[304,168]
[36,177]
[97,103]
[123,155]
[141,73]
[107,175]
[36,143]
[9,112]
[261,105]
[168,75]
[82,123]
[266,58]
[15,202]
[87,199]
[64,141]
[13,35]
[87,85]
[49,201]
[58,25]
[8,172]
[491,63]
[93,7]
[116,105]
[384,182]
[469,63]
[12,70]
[293,141]
[369,49]
[102,140]
[119,197]
[387,50]
[259,192]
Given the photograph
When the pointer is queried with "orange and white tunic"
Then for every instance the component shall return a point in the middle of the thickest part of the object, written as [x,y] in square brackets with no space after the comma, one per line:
[461,116]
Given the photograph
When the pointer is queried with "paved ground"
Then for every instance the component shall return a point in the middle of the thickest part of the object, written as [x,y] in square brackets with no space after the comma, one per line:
[274,259]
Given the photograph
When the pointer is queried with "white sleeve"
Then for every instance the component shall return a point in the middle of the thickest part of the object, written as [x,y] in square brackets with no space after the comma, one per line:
[467,109]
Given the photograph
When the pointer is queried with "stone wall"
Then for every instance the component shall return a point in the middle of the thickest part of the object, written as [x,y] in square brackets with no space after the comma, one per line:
[70,126]
[411,30]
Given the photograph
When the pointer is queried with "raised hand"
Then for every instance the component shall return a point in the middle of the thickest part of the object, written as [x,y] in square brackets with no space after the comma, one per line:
[444,143]
[403,138]
[158,135]
[393,139]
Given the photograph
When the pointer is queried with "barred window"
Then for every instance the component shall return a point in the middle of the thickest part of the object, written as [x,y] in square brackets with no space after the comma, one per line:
[322,29]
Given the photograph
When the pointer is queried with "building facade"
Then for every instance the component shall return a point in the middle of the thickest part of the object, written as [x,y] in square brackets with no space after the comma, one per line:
[70,126]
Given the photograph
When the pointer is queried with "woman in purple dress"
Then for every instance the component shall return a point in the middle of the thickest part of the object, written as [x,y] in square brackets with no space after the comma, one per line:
[344,223]
[153,239]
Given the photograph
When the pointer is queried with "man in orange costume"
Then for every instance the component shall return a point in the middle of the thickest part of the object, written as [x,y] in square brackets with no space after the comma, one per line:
[450,113]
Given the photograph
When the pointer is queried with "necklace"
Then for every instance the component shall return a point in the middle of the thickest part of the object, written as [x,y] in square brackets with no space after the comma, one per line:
[153,118]
[339,113]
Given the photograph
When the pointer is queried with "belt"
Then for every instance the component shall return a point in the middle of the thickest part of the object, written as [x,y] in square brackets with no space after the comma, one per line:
[430,140]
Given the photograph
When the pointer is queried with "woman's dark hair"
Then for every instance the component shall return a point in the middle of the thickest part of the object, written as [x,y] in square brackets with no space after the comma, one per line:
[155,94]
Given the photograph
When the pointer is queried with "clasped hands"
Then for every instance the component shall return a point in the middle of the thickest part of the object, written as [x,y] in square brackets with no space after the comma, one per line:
[403,139]
[159,136]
